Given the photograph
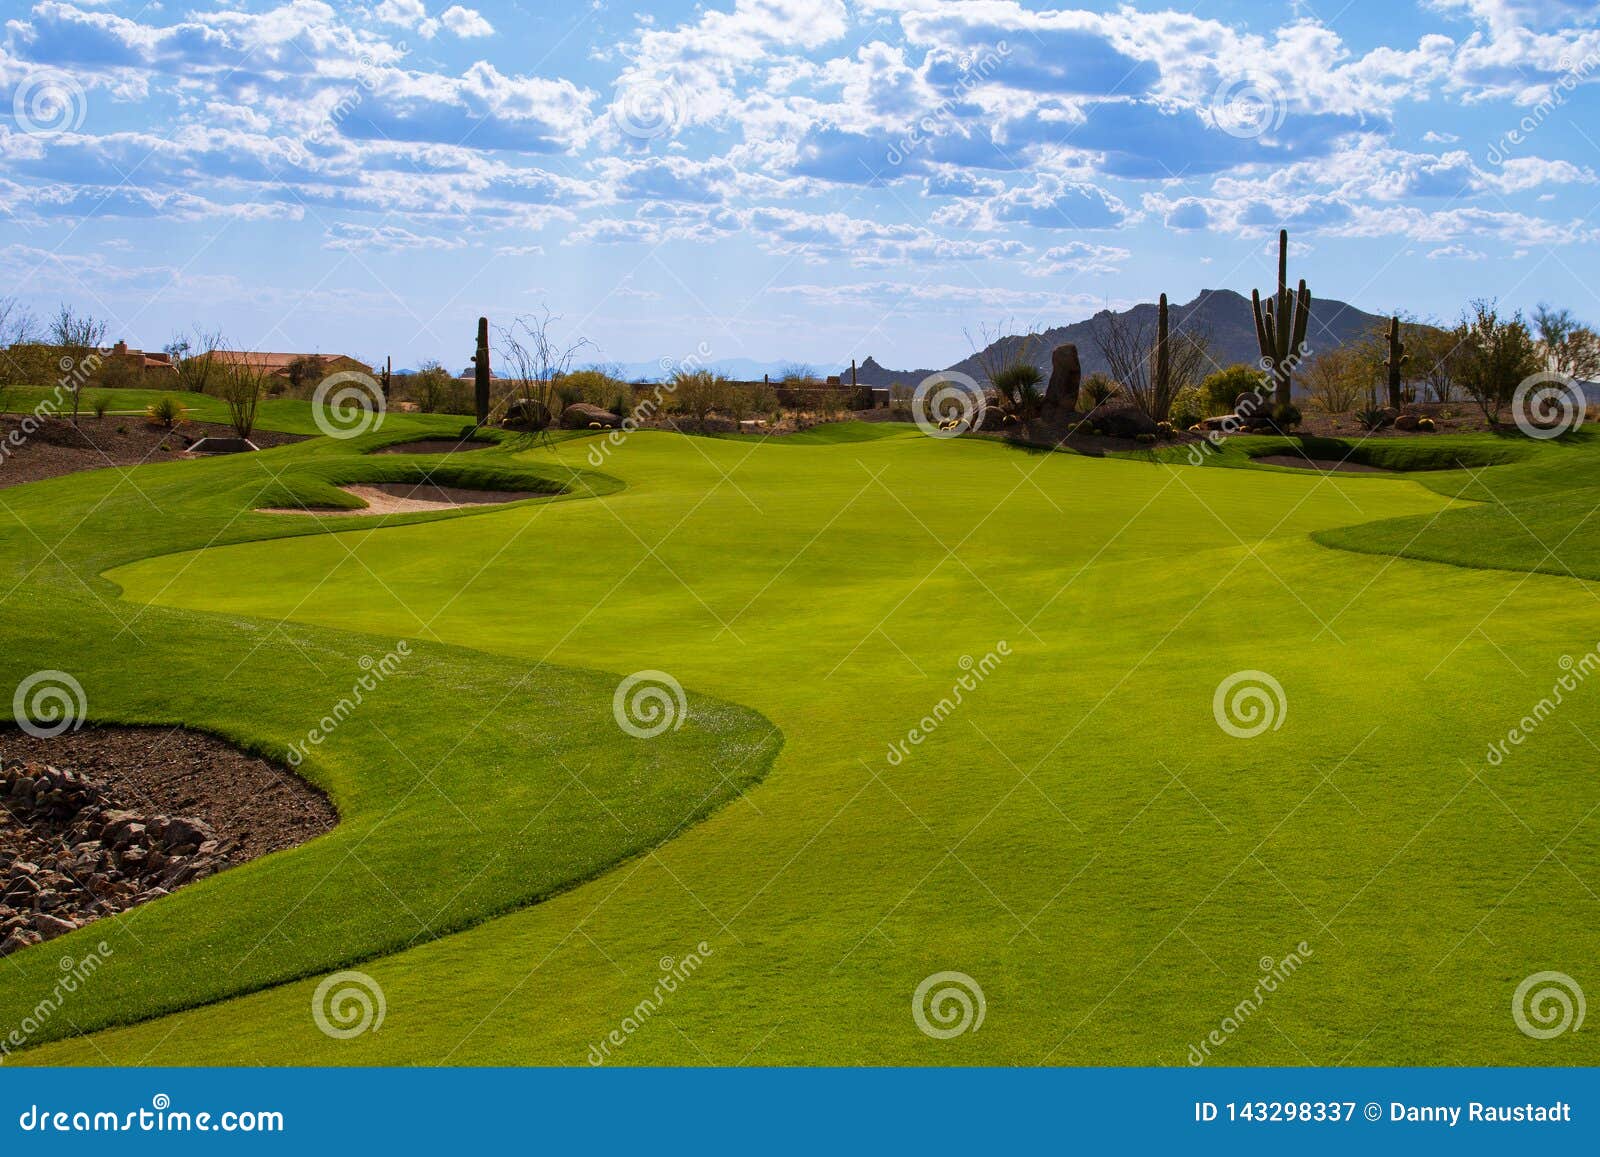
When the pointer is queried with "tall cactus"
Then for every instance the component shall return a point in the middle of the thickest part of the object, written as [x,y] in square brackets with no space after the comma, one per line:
[1396,360]
[1163,382]
[1281,326]
[480,371]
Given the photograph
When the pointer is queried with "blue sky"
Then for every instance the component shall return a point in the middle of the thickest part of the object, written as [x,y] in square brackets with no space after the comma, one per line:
[776,179]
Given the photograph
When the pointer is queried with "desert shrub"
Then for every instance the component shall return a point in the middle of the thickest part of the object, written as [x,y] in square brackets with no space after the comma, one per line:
[1495,354]
[900,399]
[99,404]
[698,393]
[593,385]
[1098,388]
[167,412]
[1286,416]
[1223,386]
[1372,418]
[1018,384]
[1188,407]
[430,388]
[1337,380]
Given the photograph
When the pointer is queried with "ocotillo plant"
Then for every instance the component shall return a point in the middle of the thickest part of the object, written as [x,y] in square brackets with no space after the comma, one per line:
[1396,360]
[1281,326]
[480,371]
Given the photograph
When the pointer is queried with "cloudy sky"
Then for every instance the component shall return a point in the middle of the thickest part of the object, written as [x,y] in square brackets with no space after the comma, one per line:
[809,179]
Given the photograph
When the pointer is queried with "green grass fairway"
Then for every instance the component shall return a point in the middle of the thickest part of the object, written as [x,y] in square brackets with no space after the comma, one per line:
[1079,836]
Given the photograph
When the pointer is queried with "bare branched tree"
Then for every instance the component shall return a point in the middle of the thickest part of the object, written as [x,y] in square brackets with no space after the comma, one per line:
[1570,348]
[1128,345]
[78,339]
[535,360]
[191,354]
[242,382]
[1006,359]
[17,328]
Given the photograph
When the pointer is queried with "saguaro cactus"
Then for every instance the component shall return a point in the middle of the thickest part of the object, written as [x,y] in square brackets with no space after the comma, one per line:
[1163,382]
[1281,326]
[1396,360]
[480,371]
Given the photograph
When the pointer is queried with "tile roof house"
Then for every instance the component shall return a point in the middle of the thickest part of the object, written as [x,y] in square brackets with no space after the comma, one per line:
[151,365]
[285,365]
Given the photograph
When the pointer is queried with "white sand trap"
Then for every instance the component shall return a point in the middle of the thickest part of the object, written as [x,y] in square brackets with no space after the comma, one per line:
[409,498]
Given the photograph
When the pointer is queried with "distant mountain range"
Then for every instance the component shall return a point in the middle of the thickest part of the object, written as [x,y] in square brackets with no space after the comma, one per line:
[1221,314]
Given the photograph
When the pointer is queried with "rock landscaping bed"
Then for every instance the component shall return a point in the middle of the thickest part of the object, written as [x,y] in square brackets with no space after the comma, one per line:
[55,447]
[98,821]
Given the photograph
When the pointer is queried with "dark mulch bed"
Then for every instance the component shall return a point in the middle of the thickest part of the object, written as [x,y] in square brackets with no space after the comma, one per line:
[56,447]
[254,804]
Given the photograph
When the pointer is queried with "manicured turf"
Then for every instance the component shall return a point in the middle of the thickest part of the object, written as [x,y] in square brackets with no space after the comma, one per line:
[1080,836]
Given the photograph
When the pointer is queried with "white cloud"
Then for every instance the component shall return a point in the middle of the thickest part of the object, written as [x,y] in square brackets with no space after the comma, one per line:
[466,22]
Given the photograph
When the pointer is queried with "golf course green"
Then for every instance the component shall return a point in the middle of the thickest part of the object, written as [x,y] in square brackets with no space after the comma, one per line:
[1080,835]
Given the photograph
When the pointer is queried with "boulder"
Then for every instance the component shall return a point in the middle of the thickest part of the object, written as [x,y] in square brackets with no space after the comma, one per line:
[583,416]
[527,414]
[1405,422]
[1066,375]
[1124,421]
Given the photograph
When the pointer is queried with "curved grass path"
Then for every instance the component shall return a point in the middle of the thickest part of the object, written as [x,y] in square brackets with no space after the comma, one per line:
[466,784]
[1080,837]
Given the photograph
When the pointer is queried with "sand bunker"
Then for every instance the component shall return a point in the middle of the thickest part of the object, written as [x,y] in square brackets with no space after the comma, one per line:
[409,498]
